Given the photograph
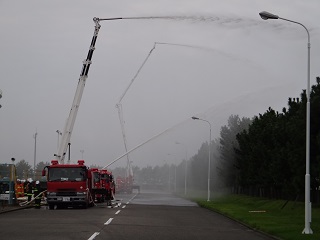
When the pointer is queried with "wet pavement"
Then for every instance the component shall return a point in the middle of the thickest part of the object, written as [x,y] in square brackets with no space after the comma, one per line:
[162,199]
[147,215]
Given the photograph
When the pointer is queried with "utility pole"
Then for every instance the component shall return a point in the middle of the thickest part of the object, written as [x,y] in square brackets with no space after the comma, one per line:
[11,183]
[0,96]
[35,155]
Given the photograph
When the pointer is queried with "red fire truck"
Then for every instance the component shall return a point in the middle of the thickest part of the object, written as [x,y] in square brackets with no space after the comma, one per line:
[73,184]
[76,184]
[124,185]
[69,185]
[96,184]
[107,183]
[103,187]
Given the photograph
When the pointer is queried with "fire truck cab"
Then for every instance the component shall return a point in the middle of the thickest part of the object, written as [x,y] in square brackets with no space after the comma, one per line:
[68,185]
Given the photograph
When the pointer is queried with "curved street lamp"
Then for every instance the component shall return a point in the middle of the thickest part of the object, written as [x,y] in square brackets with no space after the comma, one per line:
[307,230]
[196,118]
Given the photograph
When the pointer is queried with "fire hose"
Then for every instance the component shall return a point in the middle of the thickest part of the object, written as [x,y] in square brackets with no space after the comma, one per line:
[33,198]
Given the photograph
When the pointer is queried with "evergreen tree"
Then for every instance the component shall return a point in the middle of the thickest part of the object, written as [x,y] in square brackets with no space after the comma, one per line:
[228,143]
[23,169]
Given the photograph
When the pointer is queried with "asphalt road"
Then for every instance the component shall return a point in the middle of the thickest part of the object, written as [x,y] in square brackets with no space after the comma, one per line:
[144,216]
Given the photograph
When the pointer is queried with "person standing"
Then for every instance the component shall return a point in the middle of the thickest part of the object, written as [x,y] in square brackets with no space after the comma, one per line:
[29,190]
[37,195]
[25,188]
[19,188]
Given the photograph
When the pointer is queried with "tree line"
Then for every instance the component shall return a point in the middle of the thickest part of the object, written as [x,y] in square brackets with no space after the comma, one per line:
[25,171]
[269,154]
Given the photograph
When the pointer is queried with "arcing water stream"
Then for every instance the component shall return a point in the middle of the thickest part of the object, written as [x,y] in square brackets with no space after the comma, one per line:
[225,21]
[150,139]
[221,20]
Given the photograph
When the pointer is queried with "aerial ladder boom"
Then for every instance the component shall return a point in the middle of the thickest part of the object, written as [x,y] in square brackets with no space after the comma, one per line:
[120,113]
[66,134]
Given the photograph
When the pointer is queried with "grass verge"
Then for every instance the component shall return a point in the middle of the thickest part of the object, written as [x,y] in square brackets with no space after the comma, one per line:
[275,217]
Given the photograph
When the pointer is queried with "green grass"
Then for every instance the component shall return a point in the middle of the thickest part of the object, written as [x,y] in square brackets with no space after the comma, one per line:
[266,215]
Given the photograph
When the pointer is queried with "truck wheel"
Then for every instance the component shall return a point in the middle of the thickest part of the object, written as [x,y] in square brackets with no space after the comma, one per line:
[51,206]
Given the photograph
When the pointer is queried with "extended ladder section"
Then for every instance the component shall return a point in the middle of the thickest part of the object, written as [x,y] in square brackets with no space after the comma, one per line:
[66,134]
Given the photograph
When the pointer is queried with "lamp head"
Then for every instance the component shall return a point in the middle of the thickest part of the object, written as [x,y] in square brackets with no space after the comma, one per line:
[266,15]
[195,118]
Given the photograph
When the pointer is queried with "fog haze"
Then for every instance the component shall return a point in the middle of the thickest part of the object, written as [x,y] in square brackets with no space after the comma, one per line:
[220,58]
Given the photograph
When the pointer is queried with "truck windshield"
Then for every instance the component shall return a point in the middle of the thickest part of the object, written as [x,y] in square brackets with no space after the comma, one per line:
[66,174]
[105,177]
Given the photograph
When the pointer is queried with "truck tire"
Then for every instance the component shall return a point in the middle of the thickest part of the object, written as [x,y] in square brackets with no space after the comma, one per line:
[51,206]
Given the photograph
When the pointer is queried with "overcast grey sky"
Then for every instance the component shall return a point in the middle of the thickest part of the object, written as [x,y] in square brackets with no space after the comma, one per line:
[238,64]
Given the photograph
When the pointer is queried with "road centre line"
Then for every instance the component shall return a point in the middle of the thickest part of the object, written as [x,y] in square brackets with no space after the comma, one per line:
[132,198]
[108,222]
[93,236]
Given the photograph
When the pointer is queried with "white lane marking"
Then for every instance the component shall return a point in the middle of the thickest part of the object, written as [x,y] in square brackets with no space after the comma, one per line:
[127,203]
[132,198]
[123,206]
[108,222]
[118,212]
[93,236]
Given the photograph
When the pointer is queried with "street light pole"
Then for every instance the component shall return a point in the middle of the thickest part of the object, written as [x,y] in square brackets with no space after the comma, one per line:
[186,169]
[307,229]
[12,182]
[175,172]
[196,118]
